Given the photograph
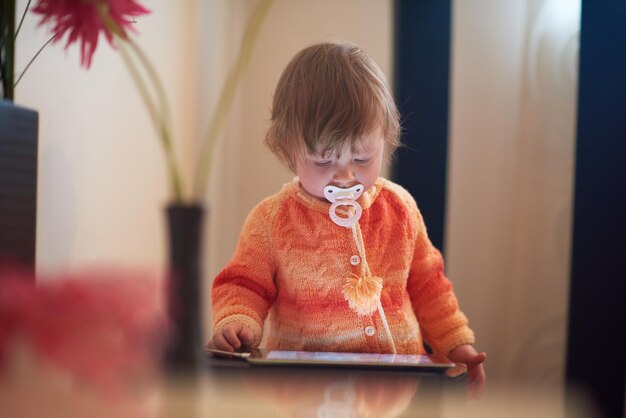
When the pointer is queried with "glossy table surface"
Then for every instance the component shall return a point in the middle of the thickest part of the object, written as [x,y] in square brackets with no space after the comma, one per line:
[227,388]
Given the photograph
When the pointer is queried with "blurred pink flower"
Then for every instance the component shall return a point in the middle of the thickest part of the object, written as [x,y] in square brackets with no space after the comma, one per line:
[85,19]
[101,327]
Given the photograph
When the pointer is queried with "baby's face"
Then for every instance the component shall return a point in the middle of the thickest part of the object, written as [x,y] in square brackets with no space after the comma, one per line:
[345,168]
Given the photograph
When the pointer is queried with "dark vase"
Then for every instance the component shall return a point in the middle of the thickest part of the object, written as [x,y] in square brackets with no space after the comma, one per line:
[18,184]
[18,158]
[184,349]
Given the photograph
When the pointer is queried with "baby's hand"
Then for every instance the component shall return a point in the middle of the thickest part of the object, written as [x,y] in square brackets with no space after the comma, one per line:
[233,337]
[467,354]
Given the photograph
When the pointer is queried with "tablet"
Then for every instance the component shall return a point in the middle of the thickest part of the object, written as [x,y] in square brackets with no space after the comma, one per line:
[345,360]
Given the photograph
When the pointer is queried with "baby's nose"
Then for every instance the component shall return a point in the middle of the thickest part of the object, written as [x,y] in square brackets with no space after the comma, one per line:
[344,177]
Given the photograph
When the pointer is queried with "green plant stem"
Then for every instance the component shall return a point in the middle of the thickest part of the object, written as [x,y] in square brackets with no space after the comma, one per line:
[227,95]
[33,60]
[158,118]
[156,81]
[21,21]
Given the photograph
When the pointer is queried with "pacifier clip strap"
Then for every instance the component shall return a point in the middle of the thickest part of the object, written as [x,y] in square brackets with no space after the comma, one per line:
[365,271]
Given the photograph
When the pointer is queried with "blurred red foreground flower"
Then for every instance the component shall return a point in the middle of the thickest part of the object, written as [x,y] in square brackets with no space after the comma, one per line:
[85,19]
[101,327]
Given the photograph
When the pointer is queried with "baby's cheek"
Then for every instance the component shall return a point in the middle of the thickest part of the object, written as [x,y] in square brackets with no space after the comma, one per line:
[314,188]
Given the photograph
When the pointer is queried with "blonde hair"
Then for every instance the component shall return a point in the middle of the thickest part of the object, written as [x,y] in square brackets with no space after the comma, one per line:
[329,94]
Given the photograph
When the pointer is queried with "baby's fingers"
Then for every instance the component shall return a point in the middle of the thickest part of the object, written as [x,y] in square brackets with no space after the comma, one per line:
[232,337]
[246,336]
[476,360]
[220,343]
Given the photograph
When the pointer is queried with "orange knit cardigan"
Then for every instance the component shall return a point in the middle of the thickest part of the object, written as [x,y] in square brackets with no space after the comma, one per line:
[292,263]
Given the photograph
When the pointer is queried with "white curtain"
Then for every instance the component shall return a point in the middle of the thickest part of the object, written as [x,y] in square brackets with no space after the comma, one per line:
[510,180]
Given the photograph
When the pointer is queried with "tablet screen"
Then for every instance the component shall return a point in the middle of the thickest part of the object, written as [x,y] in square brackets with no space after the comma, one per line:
[346,359]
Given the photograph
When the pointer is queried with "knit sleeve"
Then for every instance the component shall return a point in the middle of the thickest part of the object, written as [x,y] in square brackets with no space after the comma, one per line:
[244,291]
[443,325]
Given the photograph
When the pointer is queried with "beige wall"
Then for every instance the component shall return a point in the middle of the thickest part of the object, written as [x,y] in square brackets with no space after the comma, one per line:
[102,182]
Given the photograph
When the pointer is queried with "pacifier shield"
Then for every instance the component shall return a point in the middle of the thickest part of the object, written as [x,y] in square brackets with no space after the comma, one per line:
[334,193]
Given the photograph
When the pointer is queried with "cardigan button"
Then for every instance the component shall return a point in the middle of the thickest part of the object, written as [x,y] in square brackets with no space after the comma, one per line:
[355,260]
[370,331]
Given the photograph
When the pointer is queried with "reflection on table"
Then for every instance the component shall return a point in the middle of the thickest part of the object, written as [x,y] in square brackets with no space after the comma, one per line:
[31,389]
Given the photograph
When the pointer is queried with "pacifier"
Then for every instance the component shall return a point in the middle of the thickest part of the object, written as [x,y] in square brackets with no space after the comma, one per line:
[344,197]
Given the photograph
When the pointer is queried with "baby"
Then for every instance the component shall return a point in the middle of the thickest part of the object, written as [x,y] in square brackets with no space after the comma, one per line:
[339,258]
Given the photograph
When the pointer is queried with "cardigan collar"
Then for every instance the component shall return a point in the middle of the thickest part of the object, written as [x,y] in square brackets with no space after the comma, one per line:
[366,200]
